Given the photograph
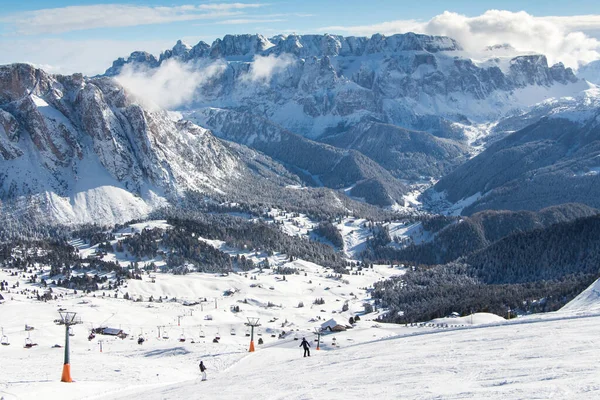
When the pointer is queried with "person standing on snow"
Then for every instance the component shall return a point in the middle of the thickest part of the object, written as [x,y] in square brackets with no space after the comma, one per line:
[306,346]
[203,370]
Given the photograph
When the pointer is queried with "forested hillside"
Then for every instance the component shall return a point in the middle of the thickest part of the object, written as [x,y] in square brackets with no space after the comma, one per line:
[468,234]
[533,271]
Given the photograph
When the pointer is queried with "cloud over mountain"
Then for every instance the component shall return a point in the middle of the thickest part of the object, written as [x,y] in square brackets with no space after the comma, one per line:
[263,68]
[565,39]
[170,85]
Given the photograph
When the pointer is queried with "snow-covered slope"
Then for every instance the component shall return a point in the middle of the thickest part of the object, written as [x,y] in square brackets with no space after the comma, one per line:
[587,302]
[542,356]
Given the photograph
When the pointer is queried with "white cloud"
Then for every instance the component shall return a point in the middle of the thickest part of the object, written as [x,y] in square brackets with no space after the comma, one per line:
[263,68]
[243,21]
[74,18]
[229,6]
[170,85]
[61,56]
[560,38]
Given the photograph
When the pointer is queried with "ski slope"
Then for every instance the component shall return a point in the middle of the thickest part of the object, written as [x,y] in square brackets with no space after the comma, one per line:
[530,361]
[481,356]
[587,302]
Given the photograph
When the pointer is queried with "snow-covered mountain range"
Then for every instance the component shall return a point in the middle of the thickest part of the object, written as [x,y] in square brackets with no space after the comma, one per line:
[365,116]
[316,85]
[76,149]
[417,105]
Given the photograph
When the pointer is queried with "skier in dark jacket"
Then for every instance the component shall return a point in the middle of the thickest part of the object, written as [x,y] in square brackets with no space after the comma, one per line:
[306,346]
[203,370]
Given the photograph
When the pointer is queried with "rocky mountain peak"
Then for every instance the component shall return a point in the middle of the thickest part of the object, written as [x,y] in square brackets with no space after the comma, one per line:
[534,70]
[137,58]
[181,48]
[239,45]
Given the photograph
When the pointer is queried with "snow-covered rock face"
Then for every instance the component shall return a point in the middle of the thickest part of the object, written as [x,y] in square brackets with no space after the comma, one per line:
[590,72]
[330,82]
[65,137]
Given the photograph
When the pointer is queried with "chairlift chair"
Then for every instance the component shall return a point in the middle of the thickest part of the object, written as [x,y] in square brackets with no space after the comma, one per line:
[232,332]
[29,343]
[71,332]
[182,338]
[165,335]
[4,341]
[202,335]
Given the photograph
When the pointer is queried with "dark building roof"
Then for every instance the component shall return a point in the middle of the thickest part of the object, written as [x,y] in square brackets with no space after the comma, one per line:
[111,331]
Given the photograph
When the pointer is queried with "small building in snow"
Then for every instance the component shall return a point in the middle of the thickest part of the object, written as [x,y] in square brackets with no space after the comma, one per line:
[112,332]
[332,326]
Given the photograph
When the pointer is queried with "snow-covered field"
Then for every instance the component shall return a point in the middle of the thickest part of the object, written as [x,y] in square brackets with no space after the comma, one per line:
[163,359]
[479,356]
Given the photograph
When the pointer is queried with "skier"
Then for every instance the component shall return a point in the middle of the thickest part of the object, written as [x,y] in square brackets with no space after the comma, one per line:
[203,370]
[306,346]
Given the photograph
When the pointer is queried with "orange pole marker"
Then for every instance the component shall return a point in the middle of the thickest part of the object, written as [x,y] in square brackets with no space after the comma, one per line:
[251,346]
[66,373]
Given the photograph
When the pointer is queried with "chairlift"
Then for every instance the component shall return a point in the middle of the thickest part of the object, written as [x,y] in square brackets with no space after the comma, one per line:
[71,332]
[4,341]
[165,335]
[247,332]
[202,335]
[182,338]
[29,343]
[218,337]
[141,340]
[232,332]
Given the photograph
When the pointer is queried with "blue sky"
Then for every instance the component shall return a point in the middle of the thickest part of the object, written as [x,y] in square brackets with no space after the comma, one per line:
[68,36]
